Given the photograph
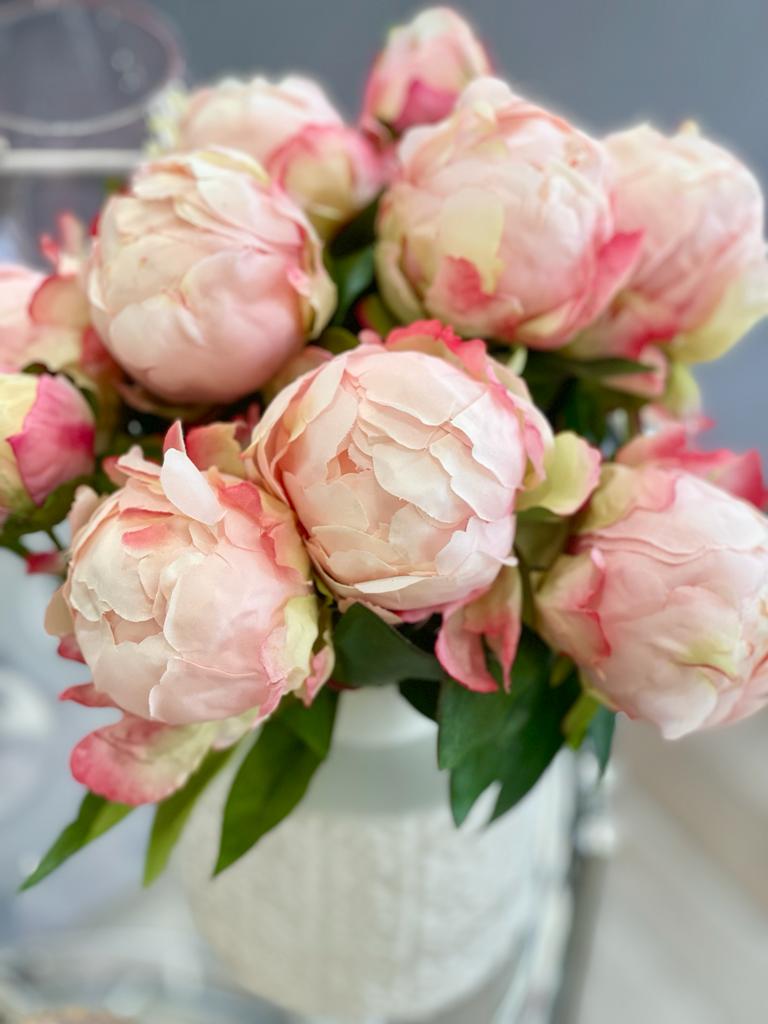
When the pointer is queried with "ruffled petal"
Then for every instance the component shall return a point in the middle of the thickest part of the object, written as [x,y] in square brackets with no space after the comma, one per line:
[139,762]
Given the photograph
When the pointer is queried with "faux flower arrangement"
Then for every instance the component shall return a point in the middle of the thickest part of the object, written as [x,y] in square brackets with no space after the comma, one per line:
[479,482]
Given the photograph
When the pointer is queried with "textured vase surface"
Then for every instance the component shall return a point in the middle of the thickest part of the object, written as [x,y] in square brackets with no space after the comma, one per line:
[367,903]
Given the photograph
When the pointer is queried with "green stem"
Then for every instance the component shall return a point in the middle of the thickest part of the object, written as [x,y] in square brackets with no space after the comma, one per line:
[18,547]
[55,539]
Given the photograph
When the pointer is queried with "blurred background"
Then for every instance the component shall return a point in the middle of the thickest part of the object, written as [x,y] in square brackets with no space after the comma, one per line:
[683,928]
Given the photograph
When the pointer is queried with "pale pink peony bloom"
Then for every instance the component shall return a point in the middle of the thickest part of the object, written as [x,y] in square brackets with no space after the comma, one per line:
[46,439]
[702,278]
[331,170]
[64,339]
[405,462]
[17,286]
[206,278]
[45,318]
[500,222]
[662,600]
[422,70]
[189,596]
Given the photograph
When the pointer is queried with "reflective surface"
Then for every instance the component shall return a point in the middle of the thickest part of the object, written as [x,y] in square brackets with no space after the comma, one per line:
[74,73]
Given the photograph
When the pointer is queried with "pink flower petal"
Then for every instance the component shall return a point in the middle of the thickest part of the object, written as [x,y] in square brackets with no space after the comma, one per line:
[186,488]
[88,696]
[139,762]
[55,443]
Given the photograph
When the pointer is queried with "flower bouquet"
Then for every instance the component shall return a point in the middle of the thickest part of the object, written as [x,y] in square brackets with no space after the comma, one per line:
[406,405]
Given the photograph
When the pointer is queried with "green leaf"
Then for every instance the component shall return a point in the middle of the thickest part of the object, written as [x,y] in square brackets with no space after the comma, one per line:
[276,773]
[171,815]
[532,747]
[423,695]
[470,779]
[375,315]
[369,652]
[33,520]
[338,340]
[543,366]
[584,410]
[579,720]
[596,368]
[358,233]
[467,720]
[353,275]
[313,725]
[600,734]
[509,738]
[95,817]
[270,782]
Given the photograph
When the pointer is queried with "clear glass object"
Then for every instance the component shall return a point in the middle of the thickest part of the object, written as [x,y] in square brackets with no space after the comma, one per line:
[74,74]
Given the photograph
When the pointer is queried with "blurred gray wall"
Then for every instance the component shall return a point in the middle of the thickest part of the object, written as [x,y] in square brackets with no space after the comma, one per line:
[606,63]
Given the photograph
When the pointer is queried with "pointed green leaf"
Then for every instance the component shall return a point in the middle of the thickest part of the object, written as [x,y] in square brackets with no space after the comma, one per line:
[467,720]
[172,814]
[579,720]
[270,782]
[276,773]
[313,725]
[95,817]
[530,749]
[541,366]
[509,738]
[353,275]
[369,652]
[612,367]
[600,733]
[470,779]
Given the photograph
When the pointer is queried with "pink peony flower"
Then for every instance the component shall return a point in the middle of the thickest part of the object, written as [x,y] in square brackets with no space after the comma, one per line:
[188,594]
[662,599]
[17,286]
[46,439]
[205,278]
[500,222]
[422,70]
[45,319]
[331,170]
[64,339]
[404,462]
[702,278]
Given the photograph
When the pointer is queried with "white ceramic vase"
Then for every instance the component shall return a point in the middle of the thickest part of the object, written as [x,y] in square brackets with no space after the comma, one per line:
[367,903]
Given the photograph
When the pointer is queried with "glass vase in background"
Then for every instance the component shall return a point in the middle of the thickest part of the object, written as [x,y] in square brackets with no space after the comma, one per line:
[74,75]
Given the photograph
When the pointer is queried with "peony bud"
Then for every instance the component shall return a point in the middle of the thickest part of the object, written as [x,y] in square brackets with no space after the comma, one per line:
[702,278]
[500,222]
[17,286]
[205,278]
[407,493]
[189,597]
[46,439]
[662,599]
[422,70]
[329,169]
